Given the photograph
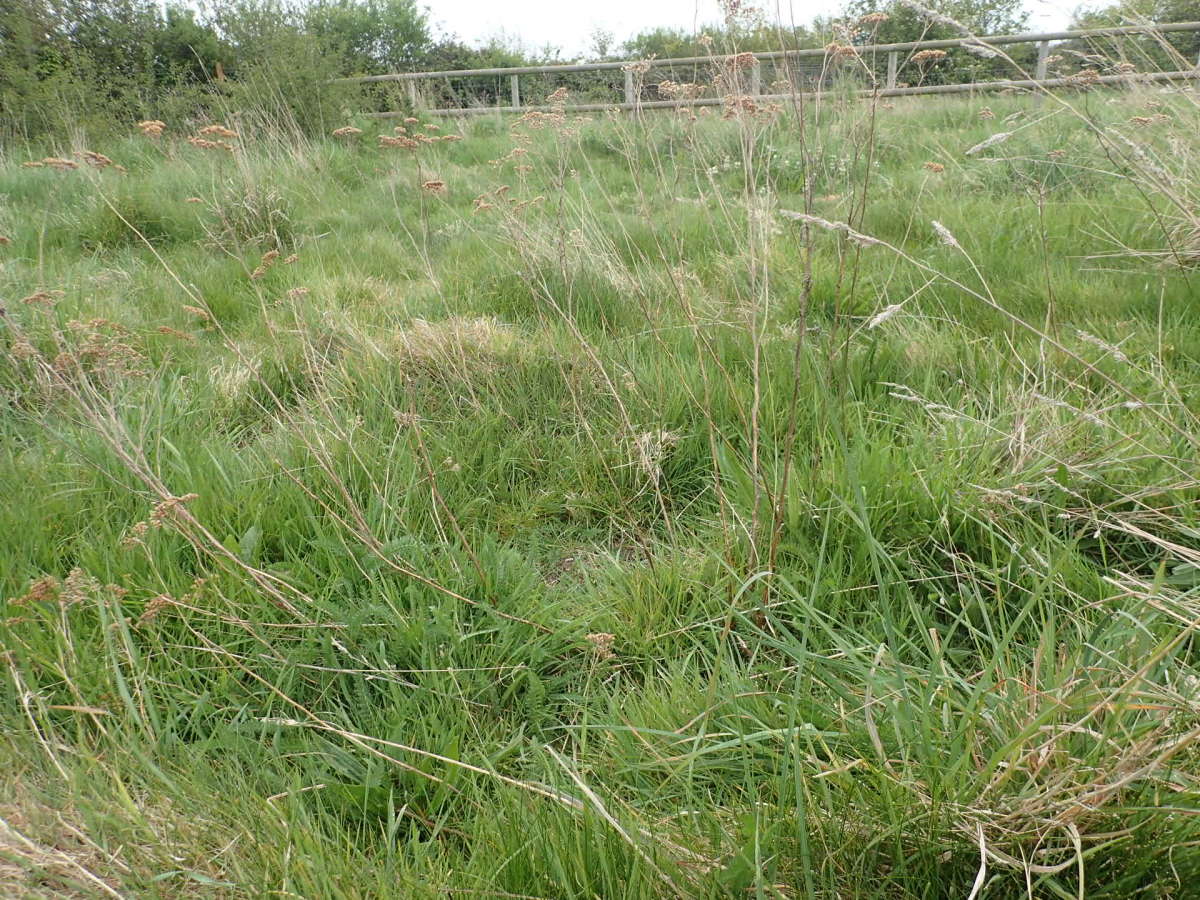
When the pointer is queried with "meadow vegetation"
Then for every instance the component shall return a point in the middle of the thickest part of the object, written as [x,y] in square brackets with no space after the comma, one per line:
[785,500]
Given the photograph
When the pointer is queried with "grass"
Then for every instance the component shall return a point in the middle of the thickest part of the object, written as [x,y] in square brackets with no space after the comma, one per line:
[613,534]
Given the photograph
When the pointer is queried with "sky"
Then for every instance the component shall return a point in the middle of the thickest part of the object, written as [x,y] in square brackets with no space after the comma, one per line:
[569,24]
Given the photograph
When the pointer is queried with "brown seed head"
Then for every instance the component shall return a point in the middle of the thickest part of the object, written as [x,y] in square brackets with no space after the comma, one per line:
[218,131]
[928,57]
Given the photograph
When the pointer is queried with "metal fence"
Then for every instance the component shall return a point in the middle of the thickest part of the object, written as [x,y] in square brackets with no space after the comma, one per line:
[805,70]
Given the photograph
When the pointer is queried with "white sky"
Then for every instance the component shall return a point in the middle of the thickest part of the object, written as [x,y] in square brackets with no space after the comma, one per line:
[568,24]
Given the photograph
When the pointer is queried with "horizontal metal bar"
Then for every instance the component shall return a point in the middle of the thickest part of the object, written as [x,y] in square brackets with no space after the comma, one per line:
[1134,78]
[996,40]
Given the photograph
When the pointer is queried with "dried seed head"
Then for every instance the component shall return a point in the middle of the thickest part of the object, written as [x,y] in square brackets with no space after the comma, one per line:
[206,144]
[884,314]
[602,643]
[997,138]
[840,51]
[980,49]
[934,167]
[742,61]
[77,587]
[944,235]
[42,298]
[855,237]
[153,607]
[403,142]
[346,131]
[928,57]
[218,131]
[95,160]
[167,510]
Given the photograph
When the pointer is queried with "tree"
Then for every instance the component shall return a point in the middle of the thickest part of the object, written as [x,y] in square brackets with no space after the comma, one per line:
[186,50]
[1172,51]
[904,23]
[370,36]
[961,17]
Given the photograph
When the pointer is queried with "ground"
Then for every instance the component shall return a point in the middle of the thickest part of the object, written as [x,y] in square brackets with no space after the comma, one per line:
[799,502]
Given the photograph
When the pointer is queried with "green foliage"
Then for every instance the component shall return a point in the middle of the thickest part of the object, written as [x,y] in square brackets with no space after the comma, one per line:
[481,587]
[1168,52]
[904,23]
[980,17]
[370,37]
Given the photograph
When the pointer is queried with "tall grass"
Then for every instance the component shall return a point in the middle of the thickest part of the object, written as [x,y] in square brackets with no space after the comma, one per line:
[783,503]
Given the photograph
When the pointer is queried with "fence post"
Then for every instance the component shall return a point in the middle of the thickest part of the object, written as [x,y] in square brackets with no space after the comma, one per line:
[515,90]
[893,58]
[756,78]
[412,93]
[629,98]
[1043,52]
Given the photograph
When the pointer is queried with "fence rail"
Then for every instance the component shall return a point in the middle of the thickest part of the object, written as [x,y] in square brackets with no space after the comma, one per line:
[890,88]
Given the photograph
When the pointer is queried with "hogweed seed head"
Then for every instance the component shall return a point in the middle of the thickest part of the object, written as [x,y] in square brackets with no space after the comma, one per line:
[928,57]
[218,131]
[602,643]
